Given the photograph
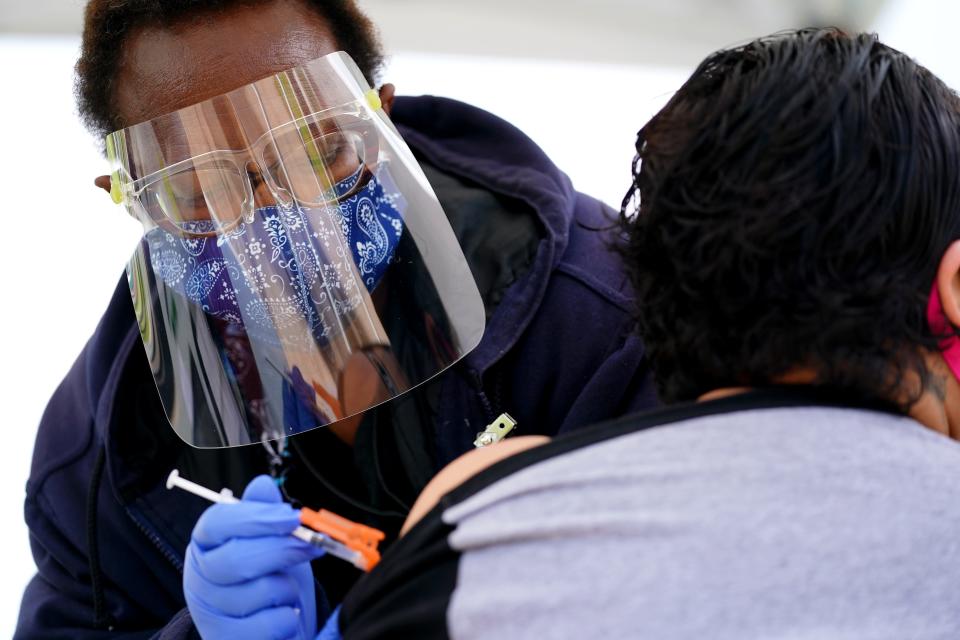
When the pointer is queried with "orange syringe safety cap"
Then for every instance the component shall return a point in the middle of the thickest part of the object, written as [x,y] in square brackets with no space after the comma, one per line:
[360,538]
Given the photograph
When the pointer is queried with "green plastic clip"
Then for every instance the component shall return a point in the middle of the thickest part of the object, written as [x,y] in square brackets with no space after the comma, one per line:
[115,192]
[373,99]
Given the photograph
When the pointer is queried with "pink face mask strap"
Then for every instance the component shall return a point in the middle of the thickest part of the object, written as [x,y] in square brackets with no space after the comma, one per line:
[949,346]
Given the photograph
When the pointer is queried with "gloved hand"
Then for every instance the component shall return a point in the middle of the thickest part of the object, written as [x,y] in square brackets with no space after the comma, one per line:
[245,576]
[331,630]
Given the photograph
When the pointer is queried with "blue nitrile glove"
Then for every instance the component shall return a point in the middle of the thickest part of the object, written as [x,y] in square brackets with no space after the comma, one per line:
[331,630]
[245,576]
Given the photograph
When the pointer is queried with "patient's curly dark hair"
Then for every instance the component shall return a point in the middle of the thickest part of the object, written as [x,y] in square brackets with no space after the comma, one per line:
[789,209]
[108,23]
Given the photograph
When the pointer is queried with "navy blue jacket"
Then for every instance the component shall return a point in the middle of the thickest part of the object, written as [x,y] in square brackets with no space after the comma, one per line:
[108,538]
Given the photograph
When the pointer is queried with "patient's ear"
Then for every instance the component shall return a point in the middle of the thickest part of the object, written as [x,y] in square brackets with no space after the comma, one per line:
[948,283]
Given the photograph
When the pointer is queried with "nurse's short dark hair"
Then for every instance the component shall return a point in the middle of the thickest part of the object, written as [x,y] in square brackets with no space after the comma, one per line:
[789,208]
[108,23]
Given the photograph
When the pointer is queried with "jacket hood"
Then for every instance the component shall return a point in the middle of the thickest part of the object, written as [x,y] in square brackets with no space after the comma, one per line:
[466,141]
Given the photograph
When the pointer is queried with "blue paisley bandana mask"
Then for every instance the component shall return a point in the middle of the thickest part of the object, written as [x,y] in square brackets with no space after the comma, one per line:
[284,240]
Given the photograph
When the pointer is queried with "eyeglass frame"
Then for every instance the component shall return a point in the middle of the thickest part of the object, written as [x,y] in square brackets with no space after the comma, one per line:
[130,190]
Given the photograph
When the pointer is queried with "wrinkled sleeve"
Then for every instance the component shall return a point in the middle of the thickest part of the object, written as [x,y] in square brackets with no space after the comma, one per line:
[141,591]
[580,362]
[57,602]
[620,385]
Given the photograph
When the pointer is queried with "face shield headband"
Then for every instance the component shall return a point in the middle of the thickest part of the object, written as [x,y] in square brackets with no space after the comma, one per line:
[296,267]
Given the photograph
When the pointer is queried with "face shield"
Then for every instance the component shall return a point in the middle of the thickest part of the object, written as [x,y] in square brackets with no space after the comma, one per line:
[296,267]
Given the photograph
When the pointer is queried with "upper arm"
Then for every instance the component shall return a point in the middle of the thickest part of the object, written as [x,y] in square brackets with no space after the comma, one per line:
[408,594]
[464,467]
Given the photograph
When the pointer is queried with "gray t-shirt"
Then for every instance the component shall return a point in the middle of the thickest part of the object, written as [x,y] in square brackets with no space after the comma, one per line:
[768,515]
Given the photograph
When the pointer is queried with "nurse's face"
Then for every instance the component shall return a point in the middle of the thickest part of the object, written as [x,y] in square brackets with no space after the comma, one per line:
[167,68]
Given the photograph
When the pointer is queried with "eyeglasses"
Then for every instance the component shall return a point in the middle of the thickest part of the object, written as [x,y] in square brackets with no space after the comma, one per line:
[309,161]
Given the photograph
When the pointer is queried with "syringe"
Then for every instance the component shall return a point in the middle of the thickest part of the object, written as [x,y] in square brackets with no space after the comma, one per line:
[321,540]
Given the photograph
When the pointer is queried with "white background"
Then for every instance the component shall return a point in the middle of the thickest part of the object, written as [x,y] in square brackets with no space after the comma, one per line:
[66,243]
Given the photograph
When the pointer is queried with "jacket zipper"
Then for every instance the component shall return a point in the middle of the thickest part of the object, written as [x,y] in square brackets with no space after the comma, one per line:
[482,395]
[157,541]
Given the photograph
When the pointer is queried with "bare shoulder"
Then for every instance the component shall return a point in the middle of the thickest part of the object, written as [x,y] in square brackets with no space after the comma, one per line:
[463,468]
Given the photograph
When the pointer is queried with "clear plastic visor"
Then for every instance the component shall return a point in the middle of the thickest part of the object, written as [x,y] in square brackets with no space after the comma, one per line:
[296,268]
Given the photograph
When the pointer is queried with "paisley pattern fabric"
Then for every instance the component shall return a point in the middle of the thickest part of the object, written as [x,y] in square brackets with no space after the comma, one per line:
[372,222]
[287,267]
